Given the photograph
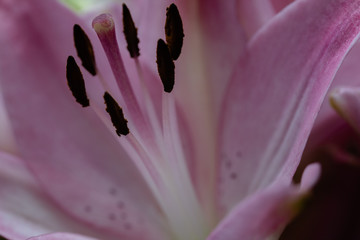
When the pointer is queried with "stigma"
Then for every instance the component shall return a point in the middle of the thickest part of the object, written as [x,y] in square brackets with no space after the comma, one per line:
[103,24]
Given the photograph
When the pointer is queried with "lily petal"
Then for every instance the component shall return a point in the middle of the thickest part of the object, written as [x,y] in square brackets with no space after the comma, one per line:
[280,4]
[257,219]
[61,236]
[18,191]
[277,90]
[254,14]
[258,216]
[77,160]
[214,45]
[221,44]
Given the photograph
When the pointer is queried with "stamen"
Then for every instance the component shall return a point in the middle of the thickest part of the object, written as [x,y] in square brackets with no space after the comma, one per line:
[84,49]
[166,67]
[130,32]
[116,115]
[76,82]
[174,31]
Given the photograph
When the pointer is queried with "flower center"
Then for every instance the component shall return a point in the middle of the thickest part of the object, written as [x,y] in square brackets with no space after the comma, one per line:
[152,136]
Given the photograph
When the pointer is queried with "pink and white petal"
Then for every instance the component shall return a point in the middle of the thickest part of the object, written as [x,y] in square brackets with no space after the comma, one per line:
[346,102]
[260,215]
[61,236]
[211,48]
[277,90]
[77,160]
[25,210]
[255,14]
[219,42]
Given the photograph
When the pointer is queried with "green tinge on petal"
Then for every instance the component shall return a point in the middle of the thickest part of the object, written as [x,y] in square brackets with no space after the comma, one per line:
[85,5]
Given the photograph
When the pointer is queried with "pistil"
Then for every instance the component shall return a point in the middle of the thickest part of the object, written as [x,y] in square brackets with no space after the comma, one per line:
[105,29]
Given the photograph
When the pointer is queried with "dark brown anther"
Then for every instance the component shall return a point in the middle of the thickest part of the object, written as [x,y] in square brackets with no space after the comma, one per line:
[76,82]
[3,238]
[174,31]
[165,65]
[130,32]
[84,50]
[116,115]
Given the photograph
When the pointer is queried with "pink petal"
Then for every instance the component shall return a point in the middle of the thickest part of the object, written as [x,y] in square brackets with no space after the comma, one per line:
[346,101]
[211,48]
[258,216]
[25,210]
[223,40]
[61,236]
[280,4]
[277,90]
[77,160]
[254,14]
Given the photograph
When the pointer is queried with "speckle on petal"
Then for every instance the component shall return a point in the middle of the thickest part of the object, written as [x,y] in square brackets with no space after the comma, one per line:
[112,191]
[120,205]
[233,175]
[88,209]
[112,217]
[128,226]
[228,164]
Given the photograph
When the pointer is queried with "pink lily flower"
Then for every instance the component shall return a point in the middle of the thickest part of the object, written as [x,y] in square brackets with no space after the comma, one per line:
[213,159]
